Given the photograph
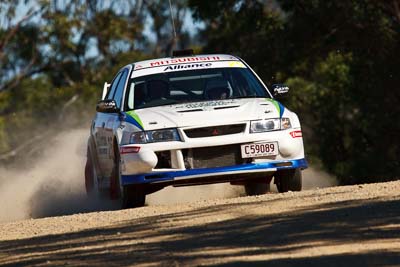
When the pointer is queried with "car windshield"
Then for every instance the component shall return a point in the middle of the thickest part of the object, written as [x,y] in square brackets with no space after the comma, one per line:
[192,86]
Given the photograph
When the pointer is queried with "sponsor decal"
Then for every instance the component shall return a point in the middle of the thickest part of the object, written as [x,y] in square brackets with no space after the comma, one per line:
[101,140]
[296,134]
[110,123]
[207,104]
[103,151]
[235,64]
[188,66]
[147,70]
[183,60]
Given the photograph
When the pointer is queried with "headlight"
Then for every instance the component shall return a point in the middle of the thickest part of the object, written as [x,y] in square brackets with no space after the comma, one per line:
[165,135]
[267,125]
[138,138]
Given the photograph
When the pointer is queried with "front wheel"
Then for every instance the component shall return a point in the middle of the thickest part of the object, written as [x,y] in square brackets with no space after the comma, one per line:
[254,189]
[133,197]
[288,180]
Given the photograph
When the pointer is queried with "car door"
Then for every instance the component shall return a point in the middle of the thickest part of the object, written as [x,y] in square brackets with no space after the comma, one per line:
[100,133]
[112,122]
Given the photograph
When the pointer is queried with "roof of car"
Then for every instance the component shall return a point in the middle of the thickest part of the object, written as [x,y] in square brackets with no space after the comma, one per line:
[179,60]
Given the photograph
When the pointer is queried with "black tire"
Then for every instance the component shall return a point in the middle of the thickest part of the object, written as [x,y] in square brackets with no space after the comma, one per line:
[254,189]
[89,175]
[115,188]
[91,184]
[288,180]
[133,197]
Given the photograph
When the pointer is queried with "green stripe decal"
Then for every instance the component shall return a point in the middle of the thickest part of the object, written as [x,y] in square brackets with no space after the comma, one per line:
[135,116]
[276,104]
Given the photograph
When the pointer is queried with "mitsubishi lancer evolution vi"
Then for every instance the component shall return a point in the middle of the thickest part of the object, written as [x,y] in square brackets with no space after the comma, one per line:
[191,120]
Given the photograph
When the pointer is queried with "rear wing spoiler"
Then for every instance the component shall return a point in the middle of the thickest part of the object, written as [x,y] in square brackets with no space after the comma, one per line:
[105,90]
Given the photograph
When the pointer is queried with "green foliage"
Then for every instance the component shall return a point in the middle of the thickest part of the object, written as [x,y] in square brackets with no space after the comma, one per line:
[243,28]
[55,58]
[324,103]
[4,144]
[341,60]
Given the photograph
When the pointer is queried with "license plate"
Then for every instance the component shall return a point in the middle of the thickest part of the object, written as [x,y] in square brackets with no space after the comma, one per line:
[259,150]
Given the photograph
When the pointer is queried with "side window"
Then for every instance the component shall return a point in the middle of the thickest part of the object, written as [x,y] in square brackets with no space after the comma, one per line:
[113,86]
[120,88]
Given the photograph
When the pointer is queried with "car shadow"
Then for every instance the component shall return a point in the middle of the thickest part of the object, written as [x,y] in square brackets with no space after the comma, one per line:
[239,241]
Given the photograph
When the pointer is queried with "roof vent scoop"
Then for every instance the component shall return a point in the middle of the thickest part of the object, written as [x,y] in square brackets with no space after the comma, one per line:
[182,53]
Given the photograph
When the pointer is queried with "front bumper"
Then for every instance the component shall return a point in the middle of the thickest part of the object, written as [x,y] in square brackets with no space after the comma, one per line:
[210,175]
[210,159]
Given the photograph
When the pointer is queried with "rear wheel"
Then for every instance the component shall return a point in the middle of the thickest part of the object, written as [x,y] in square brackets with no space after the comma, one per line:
[89,175]
[254,189]
[91,184]
[288,180]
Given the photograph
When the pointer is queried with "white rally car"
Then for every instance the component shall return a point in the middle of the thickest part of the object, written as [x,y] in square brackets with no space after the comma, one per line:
[190,120]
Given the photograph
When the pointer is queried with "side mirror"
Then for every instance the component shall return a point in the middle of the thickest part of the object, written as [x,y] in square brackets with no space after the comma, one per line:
[107,106]
[279,90]
[105,90]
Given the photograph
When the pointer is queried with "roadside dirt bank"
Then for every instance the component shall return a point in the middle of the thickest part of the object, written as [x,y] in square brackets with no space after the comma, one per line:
[337,226]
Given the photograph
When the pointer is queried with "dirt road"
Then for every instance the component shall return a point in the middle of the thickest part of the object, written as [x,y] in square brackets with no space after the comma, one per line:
[338,226]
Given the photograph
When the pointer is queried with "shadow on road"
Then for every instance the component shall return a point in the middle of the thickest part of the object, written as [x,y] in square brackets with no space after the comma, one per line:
[256,240]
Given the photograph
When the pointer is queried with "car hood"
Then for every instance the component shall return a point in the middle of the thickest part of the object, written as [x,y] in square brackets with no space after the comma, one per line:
[207,113]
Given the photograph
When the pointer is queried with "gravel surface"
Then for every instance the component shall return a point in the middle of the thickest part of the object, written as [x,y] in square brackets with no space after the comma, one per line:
[338,226]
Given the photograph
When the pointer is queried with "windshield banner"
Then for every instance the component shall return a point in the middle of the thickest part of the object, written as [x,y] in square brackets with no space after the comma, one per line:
[188,66]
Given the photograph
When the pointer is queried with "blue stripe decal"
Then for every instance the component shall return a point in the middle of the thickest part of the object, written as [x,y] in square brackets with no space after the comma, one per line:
[169,176]
[131,120]
[281,109]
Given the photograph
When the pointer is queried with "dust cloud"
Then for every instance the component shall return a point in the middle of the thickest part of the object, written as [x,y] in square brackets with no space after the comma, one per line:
[314,178]
[54,184]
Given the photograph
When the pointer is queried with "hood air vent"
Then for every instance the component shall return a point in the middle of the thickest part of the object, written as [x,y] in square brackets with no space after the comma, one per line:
[226,107]
[190,110]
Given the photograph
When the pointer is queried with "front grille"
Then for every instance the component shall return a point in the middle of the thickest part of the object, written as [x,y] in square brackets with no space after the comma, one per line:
[215,130]
[211,157]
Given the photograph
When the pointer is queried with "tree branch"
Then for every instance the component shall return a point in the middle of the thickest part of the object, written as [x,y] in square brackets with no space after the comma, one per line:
[17,79]
[12,32]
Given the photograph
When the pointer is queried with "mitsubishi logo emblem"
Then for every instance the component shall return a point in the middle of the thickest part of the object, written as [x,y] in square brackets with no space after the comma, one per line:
[215,132]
